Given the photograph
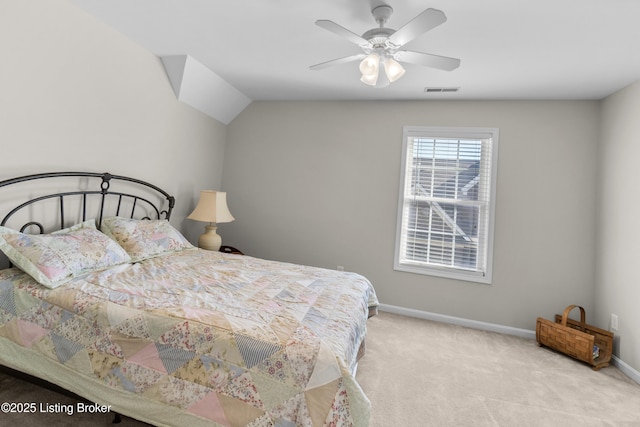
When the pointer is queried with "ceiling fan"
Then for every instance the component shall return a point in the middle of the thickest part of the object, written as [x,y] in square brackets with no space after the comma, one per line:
[381,46]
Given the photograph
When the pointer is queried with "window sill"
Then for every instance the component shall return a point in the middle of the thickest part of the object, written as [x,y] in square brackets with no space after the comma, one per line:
[468,276]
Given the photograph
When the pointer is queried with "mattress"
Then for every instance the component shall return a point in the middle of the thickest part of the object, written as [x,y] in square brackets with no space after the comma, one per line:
[197,337]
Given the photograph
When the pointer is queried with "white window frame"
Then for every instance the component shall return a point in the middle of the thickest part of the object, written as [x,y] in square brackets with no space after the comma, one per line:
[482,273]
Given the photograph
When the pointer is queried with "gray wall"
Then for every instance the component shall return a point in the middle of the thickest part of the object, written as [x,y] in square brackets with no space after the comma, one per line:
[77,95]
[317,183]
[618,277]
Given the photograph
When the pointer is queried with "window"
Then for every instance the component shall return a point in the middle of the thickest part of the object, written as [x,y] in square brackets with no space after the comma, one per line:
[445,210]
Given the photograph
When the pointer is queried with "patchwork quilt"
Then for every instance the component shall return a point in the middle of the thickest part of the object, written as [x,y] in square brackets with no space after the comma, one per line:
[229,339]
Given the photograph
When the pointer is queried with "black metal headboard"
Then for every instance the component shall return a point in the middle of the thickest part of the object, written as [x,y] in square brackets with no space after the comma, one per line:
[142,200]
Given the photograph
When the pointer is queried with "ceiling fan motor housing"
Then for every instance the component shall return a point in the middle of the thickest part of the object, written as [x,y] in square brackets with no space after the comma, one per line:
[378,37]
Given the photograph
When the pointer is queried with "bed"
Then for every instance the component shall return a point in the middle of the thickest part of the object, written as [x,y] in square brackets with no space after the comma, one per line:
[105,298]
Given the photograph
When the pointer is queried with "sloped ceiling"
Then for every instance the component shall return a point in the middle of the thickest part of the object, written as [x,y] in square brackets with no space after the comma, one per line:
[204,90]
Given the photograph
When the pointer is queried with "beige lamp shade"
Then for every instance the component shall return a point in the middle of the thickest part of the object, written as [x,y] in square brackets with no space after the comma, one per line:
[211,208]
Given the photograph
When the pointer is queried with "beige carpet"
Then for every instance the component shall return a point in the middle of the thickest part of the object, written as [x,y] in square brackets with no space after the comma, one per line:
[422,373]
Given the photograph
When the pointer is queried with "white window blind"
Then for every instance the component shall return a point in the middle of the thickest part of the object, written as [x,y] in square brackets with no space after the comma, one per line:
[445,219]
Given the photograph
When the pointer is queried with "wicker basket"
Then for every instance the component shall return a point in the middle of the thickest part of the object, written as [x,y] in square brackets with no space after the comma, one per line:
[576,339]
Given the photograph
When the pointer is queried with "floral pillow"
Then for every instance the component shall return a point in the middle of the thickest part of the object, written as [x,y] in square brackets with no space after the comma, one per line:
[143,238]
[54,259]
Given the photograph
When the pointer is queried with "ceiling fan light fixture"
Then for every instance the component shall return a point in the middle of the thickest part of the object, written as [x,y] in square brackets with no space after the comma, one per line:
[370,79]
[393,69]
[370,65]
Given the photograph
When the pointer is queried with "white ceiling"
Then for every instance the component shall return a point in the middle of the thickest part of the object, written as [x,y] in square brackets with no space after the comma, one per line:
[510,49]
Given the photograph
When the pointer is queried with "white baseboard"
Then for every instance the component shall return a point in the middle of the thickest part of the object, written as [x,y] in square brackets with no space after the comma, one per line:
[625,369]
[492,327]
[443,318]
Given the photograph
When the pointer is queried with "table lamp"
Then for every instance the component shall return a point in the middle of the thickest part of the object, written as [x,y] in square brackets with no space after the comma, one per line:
[211,208]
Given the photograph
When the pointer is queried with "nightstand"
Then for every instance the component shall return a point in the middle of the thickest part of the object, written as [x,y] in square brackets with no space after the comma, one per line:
[230,250]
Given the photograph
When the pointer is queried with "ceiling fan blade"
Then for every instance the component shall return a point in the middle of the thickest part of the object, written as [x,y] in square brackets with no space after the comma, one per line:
[434,61]
[422,23]
[338,61]
[342,32]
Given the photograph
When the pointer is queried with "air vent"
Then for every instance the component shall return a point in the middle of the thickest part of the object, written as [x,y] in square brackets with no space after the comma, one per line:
[440,89]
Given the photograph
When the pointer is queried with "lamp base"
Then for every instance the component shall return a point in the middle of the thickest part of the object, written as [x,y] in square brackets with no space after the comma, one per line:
[210,239]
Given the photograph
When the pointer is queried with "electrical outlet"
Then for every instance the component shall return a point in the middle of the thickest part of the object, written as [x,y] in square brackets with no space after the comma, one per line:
[614,322]
[340,268]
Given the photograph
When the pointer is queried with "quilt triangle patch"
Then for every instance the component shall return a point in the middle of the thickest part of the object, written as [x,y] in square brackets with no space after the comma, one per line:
[30,332]
[7,301]
[237,412]
[24,302]
[173,358]
[45,346]
[65,348]
[11,331]
[102,363]
[302,351]
[62,297]
[272,392]
[326,368]
[254,351]
[182,336]
[159,325]
[148,356]
[225,348]
[193,371]
[211,409]
[135,326]
[320,400]
[117,314]
[278,368]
